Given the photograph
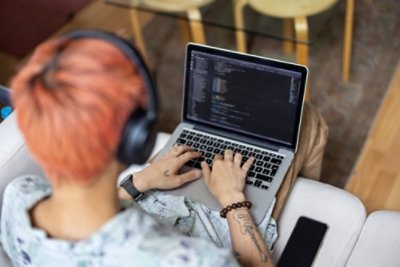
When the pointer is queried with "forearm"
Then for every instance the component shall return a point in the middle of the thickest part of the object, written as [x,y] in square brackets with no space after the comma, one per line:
[248,245]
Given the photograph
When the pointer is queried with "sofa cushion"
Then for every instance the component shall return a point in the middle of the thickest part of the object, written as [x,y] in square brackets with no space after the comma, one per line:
[15,159]
[379,241]
[343,212]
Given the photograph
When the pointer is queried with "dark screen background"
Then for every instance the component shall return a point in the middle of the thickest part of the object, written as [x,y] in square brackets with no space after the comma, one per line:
[244,97]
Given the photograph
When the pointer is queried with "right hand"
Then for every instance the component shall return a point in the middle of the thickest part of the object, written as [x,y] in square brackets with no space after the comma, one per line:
[164,173]
[227,178]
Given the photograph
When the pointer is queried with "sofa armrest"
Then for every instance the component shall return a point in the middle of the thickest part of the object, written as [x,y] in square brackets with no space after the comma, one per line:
[343,212]
[15,159]
[379,242]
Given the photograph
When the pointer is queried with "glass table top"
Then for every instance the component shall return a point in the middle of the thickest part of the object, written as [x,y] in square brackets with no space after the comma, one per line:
[220,13]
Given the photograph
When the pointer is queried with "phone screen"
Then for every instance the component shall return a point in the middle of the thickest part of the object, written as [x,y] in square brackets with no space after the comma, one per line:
[303,243]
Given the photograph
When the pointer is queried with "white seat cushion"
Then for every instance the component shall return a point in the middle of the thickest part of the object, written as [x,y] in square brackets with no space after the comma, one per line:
[15,159]
[379,242]
[161,141]
[343,212]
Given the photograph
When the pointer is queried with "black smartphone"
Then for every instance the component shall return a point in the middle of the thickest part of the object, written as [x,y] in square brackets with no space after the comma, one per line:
[303,243]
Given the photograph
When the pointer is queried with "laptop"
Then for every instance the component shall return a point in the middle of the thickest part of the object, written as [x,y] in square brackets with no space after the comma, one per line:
[250,104]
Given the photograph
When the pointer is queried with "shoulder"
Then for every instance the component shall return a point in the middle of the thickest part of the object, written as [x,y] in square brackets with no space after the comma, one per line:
[19,196]
[22,193]
[26,187]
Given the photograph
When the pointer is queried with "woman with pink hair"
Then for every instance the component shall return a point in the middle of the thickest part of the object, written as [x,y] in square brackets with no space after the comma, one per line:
[73,98]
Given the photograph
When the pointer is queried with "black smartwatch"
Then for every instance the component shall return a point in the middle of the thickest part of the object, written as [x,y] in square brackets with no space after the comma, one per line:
[127,184]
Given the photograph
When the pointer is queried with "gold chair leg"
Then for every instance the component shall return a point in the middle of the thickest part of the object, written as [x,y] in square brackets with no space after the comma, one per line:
[184,26]
[239,25]
[348,38]
[137,32]
[301,28]
[288,34]
[196,26]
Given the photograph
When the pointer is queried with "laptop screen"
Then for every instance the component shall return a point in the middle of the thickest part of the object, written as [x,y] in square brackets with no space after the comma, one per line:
[245,94]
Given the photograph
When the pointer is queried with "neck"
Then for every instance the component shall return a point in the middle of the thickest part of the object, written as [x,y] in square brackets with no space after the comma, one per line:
[75,211]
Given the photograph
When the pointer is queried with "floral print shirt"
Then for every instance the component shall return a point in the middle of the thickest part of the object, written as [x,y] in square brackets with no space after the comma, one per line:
[163,231]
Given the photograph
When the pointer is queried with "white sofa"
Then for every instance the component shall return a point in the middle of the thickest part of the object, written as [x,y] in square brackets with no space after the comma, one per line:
[351,240]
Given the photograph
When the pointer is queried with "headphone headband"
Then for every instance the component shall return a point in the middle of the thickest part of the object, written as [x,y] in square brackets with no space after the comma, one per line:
[133,54]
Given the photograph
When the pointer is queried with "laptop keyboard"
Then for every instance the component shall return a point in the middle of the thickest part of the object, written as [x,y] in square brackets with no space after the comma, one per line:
[261,174]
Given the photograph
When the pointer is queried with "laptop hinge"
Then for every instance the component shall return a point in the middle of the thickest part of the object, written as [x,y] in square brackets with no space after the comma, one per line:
[238,137]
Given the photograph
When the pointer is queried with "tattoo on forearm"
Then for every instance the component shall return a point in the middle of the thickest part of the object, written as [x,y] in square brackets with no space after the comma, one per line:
[237,256]
[247,228]
[166,173]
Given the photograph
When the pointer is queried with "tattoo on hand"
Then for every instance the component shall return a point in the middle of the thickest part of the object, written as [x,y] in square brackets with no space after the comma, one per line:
[247,228]
[166,174]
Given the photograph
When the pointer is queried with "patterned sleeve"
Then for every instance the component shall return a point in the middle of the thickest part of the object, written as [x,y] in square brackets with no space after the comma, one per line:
[198,252]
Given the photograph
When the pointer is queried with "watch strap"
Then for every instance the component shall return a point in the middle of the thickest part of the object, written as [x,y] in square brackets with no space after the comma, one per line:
[127,184]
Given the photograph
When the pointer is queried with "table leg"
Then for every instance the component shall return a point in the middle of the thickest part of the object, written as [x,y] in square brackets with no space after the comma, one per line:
[137,32]
[288,34]
[239,25]
[348,35]
[301,28]
[196,26]
[184,26]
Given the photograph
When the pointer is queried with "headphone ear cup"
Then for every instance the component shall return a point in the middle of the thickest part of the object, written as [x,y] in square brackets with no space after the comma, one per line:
[137,139]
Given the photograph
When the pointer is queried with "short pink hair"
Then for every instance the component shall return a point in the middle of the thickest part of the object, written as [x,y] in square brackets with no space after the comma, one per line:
[72,100]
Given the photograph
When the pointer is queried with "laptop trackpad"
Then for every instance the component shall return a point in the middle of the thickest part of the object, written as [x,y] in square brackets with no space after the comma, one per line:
[197,191]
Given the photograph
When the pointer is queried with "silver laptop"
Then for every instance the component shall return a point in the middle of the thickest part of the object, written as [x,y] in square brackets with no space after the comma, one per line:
[250,104]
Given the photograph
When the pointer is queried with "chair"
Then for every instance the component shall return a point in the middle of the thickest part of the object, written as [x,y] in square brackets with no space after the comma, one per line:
[192,29]
[298,11]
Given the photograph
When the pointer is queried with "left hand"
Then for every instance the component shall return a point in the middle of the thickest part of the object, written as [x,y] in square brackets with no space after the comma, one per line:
[163,173]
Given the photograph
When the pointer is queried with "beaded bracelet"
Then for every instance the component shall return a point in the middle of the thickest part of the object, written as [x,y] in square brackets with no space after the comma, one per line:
[243,204]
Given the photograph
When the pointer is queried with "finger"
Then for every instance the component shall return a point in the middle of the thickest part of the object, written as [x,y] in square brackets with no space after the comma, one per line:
[218,157]
[187,177]
[228,155]
[237,159]
[188,155]
[246,166]
[206,170]
[178,150]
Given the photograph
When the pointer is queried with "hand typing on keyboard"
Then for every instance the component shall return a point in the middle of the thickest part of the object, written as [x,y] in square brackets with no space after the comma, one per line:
[227,178]
[163,173]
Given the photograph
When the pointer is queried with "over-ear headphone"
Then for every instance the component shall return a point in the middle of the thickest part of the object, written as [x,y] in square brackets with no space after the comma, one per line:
[138,136]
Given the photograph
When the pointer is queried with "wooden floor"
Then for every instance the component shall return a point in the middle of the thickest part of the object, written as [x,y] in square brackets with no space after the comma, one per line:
[376,177]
